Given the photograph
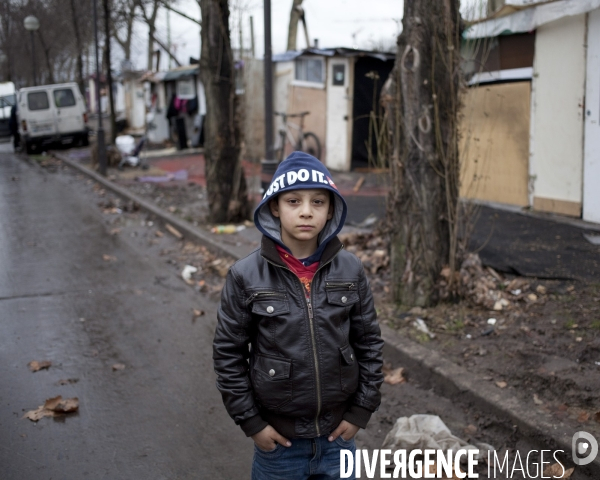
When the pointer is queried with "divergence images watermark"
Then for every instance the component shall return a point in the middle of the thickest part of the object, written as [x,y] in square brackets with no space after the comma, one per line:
[441,464]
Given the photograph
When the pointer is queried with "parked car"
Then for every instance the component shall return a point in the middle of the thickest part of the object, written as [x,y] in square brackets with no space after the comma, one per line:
[52,114]
[7,100]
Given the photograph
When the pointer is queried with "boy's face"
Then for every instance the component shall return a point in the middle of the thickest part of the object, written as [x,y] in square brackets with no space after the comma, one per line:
[303,214]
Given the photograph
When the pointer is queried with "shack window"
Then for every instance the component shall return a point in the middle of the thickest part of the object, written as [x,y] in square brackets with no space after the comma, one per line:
[310,70]
[64,98]
[38,101]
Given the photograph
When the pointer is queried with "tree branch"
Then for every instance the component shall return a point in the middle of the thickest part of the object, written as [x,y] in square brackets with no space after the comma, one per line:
[164,47]
[165,4]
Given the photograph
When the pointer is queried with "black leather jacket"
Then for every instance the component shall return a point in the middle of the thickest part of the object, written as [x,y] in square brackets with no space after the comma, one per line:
[309,366]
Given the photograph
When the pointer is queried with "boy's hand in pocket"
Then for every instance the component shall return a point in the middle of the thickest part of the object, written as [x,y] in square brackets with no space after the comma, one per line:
[268,438]
[346,430]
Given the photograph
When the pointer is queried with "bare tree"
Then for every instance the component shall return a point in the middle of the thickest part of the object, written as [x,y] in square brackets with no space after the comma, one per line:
[78,44]
[225,180]
[106,4]
[123,19]
[57,43]
[6,37]
[149,12]
[423,202]
[46,49]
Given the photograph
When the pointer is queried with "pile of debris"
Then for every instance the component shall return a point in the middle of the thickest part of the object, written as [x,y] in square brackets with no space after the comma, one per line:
[371,248]
[485,287]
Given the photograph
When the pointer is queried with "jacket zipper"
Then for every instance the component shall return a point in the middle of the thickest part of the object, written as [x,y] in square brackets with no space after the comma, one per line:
[345,285]
[312,335]
[255,295]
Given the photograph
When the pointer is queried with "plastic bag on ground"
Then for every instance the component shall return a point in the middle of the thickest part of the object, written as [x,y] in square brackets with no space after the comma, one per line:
[428,432]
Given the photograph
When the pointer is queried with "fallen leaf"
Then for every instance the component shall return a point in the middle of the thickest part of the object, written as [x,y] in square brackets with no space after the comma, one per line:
[53,407]
[532,297]
[597,416]
[176,233]
[583,417]
[118,366]
[109,258]
[115,231]
[541,290]
[470,430]
[35,366]
[395,377]
[501,384]
[159,234]
[58,405]
[537,400]
[198,313]
[558,471]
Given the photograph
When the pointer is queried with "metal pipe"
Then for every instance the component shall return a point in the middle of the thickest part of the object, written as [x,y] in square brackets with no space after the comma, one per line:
[269,164]
[33,59]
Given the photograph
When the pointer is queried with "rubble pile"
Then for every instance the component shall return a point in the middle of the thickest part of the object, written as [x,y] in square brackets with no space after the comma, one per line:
[485,287]
[371,248]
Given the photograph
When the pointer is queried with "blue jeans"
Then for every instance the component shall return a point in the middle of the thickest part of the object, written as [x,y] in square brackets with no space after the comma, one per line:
[314,459]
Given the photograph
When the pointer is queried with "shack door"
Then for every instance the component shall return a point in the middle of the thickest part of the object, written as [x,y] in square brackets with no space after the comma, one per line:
[591,162]
[338,157]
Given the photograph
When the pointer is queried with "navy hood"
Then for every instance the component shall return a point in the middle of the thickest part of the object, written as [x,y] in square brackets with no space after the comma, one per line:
[300,171]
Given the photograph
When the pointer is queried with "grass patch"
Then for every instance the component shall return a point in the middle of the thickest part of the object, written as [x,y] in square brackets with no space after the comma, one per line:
[570,324]
[456,325]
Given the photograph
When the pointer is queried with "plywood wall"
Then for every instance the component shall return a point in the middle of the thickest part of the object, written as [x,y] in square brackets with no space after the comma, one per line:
[314,100]
[495,143]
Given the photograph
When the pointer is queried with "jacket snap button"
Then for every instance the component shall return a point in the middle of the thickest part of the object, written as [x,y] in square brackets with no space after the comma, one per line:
[351,356]
[271,372]
[344,299]
[270,309]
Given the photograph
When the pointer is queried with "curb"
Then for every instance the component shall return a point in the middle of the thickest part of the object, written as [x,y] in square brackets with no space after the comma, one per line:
[455,382]
[431,368]
[184,227]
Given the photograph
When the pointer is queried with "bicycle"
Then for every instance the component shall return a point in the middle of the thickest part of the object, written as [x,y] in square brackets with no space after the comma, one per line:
[306,141]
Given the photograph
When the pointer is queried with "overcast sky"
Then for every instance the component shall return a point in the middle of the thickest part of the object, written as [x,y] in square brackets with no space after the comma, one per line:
[336,23]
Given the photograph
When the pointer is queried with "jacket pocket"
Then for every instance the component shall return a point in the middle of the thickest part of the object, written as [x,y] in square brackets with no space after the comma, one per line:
[269,303]
[342,294]
[271,381]
[348,370]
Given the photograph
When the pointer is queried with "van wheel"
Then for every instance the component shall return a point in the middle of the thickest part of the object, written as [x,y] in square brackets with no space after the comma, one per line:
[30,148]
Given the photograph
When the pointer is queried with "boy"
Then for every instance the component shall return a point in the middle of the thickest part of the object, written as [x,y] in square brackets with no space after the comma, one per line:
[311,376]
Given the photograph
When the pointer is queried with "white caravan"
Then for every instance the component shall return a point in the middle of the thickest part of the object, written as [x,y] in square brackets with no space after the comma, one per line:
[52,114]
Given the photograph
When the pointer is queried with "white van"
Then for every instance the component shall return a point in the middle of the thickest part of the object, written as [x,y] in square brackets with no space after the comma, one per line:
[7,100]
[50,114]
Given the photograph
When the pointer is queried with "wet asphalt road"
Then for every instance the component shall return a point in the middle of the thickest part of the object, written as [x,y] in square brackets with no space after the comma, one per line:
[159,418]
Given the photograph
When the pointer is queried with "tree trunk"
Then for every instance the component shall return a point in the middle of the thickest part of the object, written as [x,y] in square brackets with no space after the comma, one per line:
[152,32]
[293,28]
[109,78]
[78,47]
[226,185]
[423,202]
[46,49]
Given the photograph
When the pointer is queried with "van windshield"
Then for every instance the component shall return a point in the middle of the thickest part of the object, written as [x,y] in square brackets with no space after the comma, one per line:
[38,101]
[8,100]
[64,98]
